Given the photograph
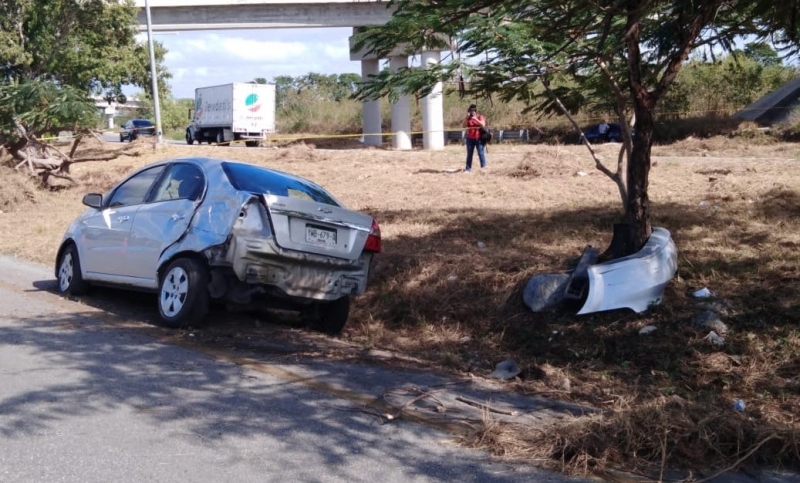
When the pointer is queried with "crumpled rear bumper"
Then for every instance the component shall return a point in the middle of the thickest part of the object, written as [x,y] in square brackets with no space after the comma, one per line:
[258,260]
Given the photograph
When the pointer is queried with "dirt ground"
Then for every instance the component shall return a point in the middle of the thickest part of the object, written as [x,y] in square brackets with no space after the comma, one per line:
[458,248]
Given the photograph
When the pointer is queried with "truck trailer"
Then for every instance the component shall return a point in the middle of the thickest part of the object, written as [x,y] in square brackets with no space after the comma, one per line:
[232,112]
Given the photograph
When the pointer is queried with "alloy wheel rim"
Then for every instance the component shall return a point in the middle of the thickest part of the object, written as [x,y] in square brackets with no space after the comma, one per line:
[174,291]
[65,272]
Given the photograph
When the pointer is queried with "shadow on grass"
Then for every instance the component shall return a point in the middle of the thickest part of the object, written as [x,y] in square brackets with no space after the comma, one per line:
[453,294]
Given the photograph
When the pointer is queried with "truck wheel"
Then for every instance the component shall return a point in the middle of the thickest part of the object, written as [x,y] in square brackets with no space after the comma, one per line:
[220,139]
[251,144]
[189,138]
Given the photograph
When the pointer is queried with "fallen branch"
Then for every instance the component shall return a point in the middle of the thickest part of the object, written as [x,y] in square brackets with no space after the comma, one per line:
[405,406]
[486,407]
[740,460]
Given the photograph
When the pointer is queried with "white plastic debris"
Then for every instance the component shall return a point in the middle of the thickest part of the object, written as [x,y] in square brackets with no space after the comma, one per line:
[481,245]
[582,173]
[703,293]
[452,278]
[507,369]
[715,339]
[647,329]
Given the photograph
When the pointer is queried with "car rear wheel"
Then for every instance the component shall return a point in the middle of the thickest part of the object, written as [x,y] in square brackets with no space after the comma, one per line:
[329,317]
[183,297]
[70,280]
[121,138]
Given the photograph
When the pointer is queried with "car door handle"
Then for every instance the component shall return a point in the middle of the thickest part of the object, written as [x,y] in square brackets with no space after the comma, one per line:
[178,216]
[123,218]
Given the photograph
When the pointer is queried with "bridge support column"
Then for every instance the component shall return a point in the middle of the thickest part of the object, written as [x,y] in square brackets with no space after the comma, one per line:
[432,108]
[371,110]
[401,111]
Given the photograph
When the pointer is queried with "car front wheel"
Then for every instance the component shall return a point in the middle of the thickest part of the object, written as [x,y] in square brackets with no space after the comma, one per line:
[70,280]
[189,138]
[183,293]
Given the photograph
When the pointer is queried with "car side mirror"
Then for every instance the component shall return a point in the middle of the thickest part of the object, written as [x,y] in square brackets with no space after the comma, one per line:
[93,200]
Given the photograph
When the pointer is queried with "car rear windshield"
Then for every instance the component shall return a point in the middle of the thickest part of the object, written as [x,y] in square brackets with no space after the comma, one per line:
[142,123]
[253,179]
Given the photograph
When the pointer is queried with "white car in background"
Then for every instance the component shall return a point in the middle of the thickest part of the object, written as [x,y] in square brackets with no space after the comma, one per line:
[195,230]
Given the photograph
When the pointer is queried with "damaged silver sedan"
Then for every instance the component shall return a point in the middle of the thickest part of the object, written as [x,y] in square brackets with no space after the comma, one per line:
[197,230]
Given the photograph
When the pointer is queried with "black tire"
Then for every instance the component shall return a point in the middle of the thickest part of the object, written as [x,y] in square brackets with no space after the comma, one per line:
[70,279]
[251,144]
[189,138]
[220,138]
[183,296]
[121,138]
[331,317]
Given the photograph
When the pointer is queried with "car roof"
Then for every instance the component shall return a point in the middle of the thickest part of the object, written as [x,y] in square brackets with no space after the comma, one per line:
[207,163]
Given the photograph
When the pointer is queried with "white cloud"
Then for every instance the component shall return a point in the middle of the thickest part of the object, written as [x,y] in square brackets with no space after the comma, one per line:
[204,58]
[255,50]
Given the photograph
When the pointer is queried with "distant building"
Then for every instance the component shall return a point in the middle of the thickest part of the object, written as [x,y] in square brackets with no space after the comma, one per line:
[775,107]
[113,108]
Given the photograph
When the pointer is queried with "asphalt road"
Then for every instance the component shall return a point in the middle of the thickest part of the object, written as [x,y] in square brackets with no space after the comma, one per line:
[98,395]
[113,137]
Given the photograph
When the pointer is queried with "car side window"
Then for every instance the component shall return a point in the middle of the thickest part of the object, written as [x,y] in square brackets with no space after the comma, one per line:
[183,181]
[134,190]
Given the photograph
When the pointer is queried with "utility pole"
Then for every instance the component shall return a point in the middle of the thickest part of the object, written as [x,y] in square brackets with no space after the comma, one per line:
[153,74]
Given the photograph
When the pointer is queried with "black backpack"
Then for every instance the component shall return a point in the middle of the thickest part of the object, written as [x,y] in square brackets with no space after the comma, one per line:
[486,135]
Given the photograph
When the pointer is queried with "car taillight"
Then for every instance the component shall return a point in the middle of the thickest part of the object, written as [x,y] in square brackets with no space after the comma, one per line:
[374,239]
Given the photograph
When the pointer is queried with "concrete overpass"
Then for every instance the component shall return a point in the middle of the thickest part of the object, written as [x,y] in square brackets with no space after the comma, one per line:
[110,109]
[176,15]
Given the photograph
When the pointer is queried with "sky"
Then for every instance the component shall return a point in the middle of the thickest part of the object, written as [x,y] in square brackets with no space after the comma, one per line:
[212,57]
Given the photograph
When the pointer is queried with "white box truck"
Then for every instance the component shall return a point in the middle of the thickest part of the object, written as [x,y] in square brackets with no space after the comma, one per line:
[232,112]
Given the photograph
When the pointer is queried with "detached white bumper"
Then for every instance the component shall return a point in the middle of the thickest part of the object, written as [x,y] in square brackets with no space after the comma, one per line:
[635,281]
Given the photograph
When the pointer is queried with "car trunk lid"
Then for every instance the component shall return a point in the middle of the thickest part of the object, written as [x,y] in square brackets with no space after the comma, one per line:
[313,227]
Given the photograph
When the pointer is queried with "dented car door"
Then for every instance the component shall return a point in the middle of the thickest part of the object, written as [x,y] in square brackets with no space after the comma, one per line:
[164,219]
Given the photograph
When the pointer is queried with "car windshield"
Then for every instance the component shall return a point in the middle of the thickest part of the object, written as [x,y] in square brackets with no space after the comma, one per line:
[253,179]
[139,123]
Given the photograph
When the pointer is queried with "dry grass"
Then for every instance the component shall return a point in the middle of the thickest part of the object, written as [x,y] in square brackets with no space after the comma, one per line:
[458,248]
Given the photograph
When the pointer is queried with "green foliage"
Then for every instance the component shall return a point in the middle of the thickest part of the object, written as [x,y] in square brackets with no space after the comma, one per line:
[174,112]
[317,103]
[53,53]
[87,44]
[729,84]
[762,53]
[43,107]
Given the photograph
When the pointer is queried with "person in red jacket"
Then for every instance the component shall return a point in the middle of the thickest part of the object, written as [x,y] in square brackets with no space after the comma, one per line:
[473,122]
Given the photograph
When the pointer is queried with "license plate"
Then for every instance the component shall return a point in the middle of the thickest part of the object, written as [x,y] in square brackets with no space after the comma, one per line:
[320,236]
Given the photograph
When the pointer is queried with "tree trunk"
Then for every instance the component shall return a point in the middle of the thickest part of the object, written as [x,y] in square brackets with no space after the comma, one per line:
[637,210]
